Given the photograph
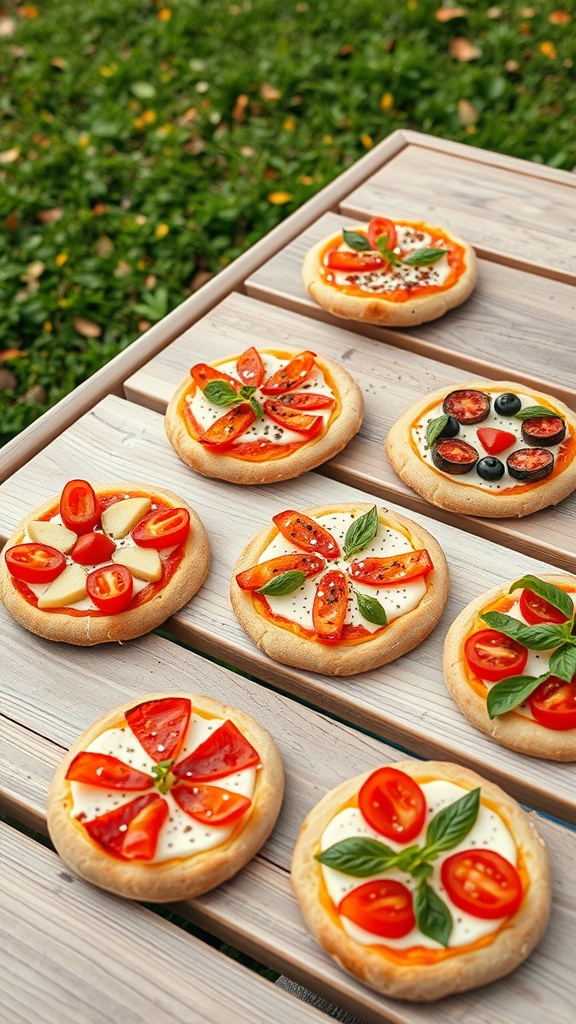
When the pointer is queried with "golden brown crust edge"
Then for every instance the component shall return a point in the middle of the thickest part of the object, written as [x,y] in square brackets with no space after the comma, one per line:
[378,310]
[426,983]
[511,730]
[340,431]
[183,878]
[445,493]
[87,630]
[402,635]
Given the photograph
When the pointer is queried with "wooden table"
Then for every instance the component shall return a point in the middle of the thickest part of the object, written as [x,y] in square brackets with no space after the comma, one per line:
[73,953]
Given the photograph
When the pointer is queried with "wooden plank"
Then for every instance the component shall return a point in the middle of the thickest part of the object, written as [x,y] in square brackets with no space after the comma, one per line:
[406,702]
[522,220]
[60,962]
[513,322]
[390,379]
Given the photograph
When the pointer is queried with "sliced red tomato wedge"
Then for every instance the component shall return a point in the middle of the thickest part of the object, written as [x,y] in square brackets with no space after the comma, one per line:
[293,419]
[35,563]
[307,400]
[111,588]
[482,883]
[495,441]
[291,375]
[306,534]
[226,750]
[355,262]
[553,704]
[494,656]
[131,831]
[79,507]
[224,431]
[93,548]
[201,373]
[380,227]
[261,574]
[250,368]
[106,772]
[211,805]
[161,725]
[393,804]
[330,606]
[165,528]
[536,610]
[383,907]
[379,572]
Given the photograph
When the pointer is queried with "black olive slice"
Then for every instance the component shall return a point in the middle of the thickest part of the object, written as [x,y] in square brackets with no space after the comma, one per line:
[490,468]
[454,456]
[530,464]
[544,431]
[507,404]
[467,406]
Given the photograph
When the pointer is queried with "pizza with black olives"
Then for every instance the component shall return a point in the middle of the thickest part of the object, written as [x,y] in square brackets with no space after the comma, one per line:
[486,448]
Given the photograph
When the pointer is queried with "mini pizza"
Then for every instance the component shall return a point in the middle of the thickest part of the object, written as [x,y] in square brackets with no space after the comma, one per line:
[166,797]
[103,563]
[265,415]
[422,879]
[510,664]
[487,448]
[340,589]
[395,273]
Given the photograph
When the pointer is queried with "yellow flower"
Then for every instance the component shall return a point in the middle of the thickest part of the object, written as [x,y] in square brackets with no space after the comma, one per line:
[366,141]
[471,129]
[306,179]
[327,140]
[83,140]
[411,5]
[164,14]
[289,124]
[149,116]
[548,49]
[162,230]
[63,303]
[387,101]
[47,327]
[279,198]
[108,70]
[61,259]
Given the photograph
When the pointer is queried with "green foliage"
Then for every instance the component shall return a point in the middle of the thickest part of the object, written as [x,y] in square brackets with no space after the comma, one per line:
[145,145]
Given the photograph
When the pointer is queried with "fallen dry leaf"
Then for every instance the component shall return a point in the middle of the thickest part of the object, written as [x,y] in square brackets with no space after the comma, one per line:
[269,92]
[560,17]
[50,216]
[33,270]
[7,27]
[10,155]
[448,13]
[200,278]
[462,50]
[87,328]
[240,107]
[12,222]
[467,113]
[11,353]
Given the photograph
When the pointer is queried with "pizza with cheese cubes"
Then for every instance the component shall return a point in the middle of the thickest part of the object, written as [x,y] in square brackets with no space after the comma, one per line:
[103,563]
[264,415]
[166,797]
[396,273]
[422,879]
[486,448]
[341,588]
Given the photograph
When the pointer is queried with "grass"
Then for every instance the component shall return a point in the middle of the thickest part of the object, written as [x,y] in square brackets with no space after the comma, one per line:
[144,145]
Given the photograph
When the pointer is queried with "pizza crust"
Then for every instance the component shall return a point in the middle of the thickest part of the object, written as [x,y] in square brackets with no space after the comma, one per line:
[181,878]
[342,427]
[511,730]
[418,982]
[375,309]
[446,492]
[400,636]
[87,630]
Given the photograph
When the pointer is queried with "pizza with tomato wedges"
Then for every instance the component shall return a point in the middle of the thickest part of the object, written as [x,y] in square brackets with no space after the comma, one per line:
[396,273]
[510,664]
[422,879]
[264,415]
[166,797]
[487,448]
[341,588]
[103,563]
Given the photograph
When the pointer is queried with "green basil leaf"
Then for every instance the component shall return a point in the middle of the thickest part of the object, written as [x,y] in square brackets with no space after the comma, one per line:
[221,393]
[386,253]
[435,428]
[371,609]
[356,241]
[424,257]
[283,584]
[432,915]
[423,870]
[361,532]
[509,693]
[451,824]
[358,856]
[256,407]
[543,637]
[163,778]
[556,597]
[247,390]
[532,411]
[563,662]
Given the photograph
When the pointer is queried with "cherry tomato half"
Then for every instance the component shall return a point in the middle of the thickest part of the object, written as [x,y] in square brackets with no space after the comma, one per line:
[378,572]
[553,703]
[291,375]
[35,563]
[165,528]
[250,367]
[535,609]
[482,883]
[92,549]
[161,725]
[293,419]
[225,430]
[379,227]
[393,804]
[261,574]
[106,772]
[306,534]
[110,588]
[383,907]
[79,507]
[494,656]
[355,262]
[211,805]
[330,606]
